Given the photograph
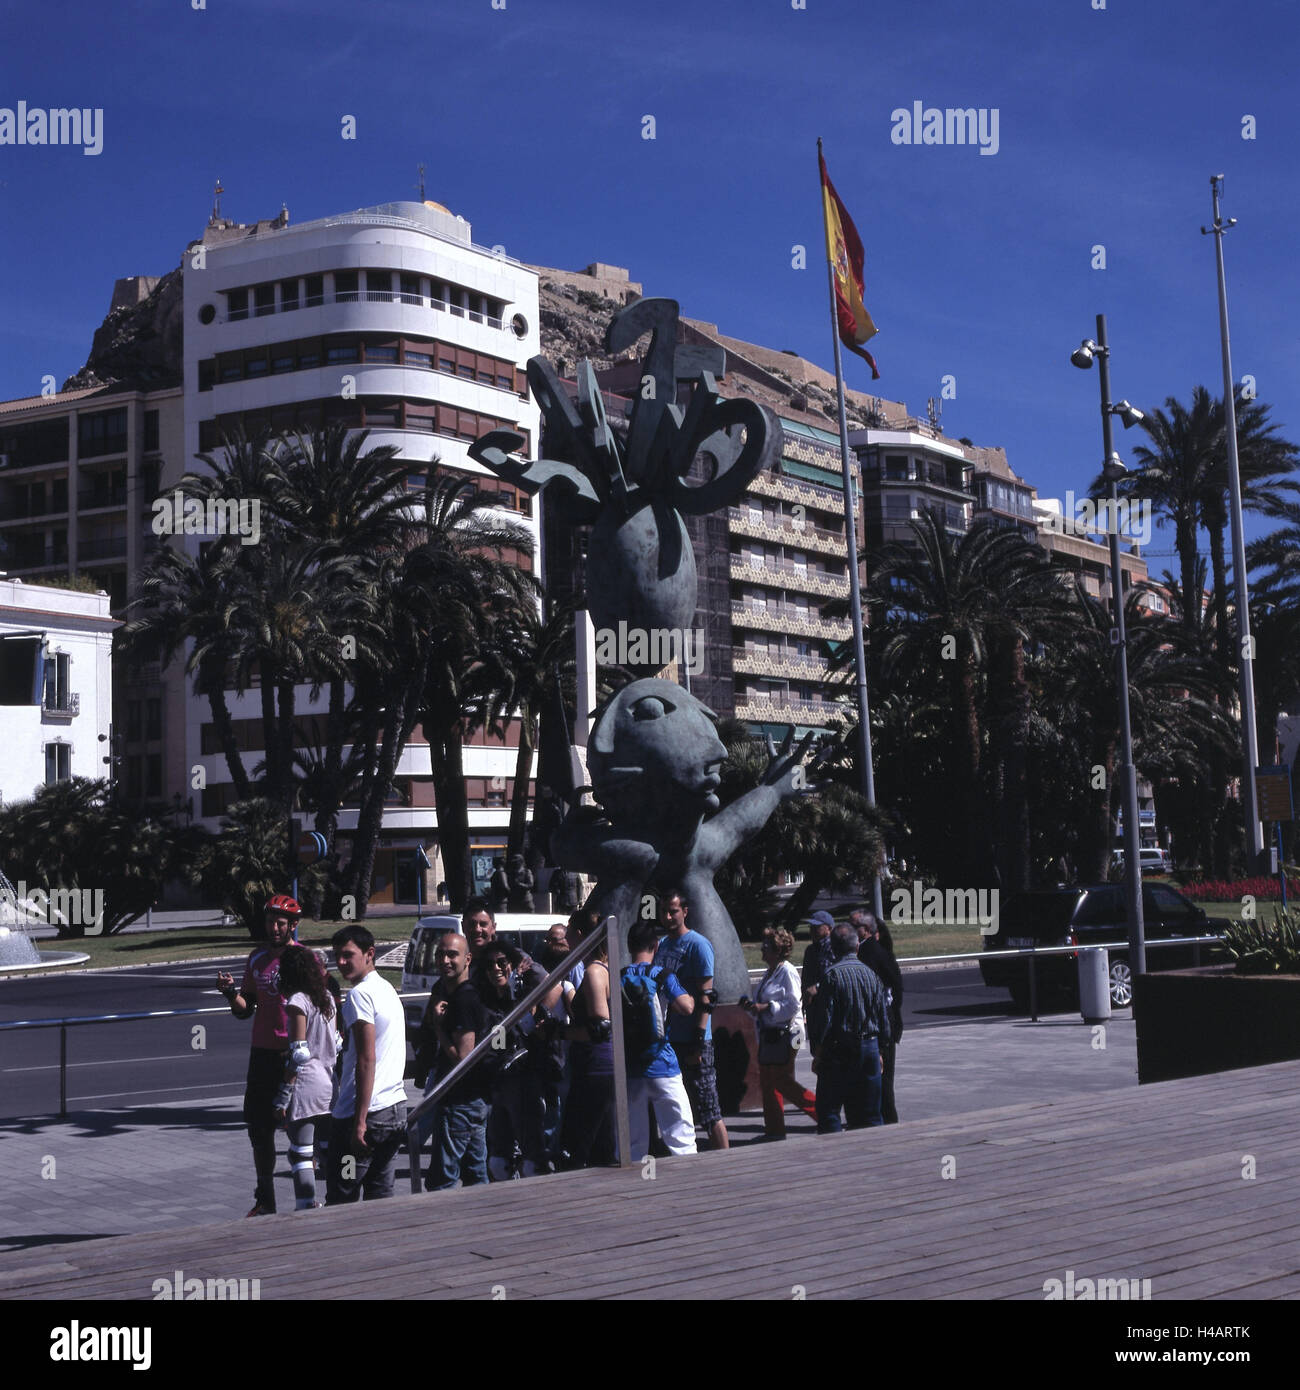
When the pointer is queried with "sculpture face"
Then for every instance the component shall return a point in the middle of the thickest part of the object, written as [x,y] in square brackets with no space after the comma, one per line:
[655,756]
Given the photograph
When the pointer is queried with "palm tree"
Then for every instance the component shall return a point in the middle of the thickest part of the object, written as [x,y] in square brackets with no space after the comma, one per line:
[958,613]
[186,599]
[529,663]
[434,601]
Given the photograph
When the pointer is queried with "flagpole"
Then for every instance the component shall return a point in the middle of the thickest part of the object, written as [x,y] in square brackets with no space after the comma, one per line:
[851,533]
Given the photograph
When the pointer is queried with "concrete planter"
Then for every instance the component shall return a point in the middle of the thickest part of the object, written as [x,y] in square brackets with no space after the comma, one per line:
[1194,1022]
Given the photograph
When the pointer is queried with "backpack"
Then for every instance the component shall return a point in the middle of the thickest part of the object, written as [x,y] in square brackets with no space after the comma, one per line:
[644,1023]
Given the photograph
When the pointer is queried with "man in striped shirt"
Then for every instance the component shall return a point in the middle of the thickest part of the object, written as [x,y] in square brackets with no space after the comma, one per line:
[848,1023]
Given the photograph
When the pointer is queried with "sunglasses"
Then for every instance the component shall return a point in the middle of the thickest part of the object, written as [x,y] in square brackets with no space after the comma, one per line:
[499,963]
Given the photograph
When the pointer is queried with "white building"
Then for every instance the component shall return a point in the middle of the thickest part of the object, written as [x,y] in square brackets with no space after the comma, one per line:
[56,686]
[388,319]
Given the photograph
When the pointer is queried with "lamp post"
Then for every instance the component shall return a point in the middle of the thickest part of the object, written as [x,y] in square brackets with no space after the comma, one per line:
[1113,470]
[1241,594]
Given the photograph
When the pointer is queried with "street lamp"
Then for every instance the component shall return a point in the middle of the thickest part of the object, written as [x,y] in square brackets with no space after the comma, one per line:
[1113,469]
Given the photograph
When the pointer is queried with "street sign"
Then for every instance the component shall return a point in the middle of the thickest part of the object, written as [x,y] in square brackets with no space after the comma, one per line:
[312,847]
[1273,789]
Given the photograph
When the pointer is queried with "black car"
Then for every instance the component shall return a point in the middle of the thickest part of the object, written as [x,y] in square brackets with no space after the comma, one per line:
[1089,916]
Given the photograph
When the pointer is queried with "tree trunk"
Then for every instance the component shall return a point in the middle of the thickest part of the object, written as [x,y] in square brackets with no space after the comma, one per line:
[453,813]
[519,798]
[225,728]
[270,743]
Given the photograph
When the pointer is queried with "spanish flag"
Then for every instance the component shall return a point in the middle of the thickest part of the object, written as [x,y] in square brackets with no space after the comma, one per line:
[844,250]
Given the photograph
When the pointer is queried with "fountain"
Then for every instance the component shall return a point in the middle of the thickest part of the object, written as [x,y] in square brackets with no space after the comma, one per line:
[17,951]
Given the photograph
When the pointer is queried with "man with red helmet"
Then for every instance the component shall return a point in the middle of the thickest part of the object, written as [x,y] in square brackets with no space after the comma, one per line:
[259,998]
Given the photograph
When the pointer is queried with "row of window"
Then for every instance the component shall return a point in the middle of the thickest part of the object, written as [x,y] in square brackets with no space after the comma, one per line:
[363,412]
[98,434]
[348,287]
[335,350]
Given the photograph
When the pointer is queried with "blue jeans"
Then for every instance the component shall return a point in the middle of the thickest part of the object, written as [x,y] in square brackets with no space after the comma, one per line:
[372,1171]
[459,1146]
[848,1077]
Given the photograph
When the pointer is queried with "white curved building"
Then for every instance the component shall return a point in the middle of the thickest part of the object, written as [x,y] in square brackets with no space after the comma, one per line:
[388,319]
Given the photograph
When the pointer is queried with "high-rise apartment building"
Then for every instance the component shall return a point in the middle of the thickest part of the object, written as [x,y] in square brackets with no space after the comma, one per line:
[388,319]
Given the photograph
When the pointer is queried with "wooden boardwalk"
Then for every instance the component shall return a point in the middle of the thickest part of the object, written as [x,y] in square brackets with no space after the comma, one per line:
[1146,1183]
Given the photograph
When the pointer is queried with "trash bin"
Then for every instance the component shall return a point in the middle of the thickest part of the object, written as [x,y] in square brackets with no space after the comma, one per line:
[1094,984]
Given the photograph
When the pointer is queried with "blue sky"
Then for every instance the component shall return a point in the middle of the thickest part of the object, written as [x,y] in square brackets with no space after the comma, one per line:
[529,120]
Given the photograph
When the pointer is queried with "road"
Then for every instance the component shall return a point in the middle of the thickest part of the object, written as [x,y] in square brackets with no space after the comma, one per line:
[153,1061]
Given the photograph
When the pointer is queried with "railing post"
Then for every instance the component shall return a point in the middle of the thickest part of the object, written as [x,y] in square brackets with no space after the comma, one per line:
[63,1071]
[622,1125]
[1033,990]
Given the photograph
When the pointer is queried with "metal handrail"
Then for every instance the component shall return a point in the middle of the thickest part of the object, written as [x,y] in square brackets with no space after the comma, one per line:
[602,933]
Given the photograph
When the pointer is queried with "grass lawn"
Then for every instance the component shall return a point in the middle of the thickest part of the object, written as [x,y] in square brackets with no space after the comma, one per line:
[156,947]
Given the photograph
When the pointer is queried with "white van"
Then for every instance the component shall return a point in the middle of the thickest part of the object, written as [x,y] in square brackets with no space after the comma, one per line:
[526,930]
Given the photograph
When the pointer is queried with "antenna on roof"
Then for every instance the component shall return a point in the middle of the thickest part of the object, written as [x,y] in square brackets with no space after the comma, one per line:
[420,185]
[217,191]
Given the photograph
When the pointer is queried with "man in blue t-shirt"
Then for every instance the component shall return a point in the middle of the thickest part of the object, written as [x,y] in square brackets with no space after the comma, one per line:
[689,956]
[654,1078]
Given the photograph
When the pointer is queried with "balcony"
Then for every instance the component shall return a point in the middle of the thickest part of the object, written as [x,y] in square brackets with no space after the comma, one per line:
[830,498]
[89,499]
[60,706]
[785,666]
[787,711]
[38,558]
[102,548]
[782,575]
[791,532]
[780,617]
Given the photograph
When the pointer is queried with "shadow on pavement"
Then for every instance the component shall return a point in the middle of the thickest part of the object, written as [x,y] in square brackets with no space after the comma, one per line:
[97,1124]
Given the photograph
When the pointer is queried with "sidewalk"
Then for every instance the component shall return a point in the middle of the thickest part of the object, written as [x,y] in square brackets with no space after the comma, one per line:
[117,1172]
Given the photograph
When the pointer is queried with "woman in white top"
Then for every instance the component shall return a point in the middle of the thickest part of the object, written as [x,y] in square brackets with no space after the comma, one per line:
[308,1092]
[776,1011]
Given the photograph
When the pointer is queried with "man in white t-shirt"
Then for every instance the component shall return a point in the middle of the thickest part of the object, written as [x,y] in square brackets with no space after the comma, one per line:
[369,1116]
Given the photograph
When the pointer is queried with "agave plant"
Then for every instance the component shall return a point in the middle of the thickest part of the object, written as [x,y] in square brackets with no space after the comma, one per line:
[633,491]
[1259,949]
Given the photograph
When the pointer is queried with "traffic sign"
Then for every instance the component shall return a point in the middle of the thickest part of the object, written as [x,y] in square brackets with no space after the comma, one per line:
[1273,791]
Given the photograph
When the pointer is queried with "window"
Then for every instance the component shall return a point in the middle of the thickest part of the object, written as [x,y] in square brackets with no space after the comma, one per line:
[379,285]
[288,295]
[256,366]
[504,383]
[411,290]
[376,353]
[59,497]
[419,359]
[308,357]
[153,719]
[207,375]
[263,301]
[232,369]
[384,413]
[153,774]
[343,352]
[58,763]
[133,725]
[314,291]
[465,369]
[150,430]
[236,305]
[896,468]
[446,364]
[345,286]
[57,695]
[283,363]
[102,433]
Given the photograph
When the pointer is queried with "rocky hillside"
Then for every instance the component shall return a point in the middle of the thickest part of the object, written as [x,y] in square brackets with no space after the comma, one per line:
[138,345]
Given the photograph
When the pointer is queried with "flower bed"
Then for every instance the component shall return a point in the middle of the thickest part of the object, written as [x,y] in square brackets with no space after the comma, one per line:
[1262,889]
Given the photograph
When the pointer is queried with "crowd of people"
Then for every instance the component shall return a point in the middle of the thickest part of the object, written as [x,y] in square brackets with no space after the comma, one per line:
[328,1067]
